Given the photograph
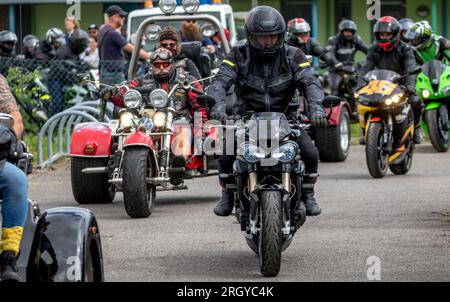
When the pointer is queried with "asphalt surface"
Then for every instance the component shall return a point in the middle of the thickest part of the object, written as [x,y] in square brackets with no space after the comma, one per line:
[402,220]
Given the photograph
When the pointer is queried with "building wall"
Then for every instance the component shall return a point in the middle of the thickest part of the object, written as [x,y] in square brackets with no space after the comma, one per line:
[4,17]
[46,16]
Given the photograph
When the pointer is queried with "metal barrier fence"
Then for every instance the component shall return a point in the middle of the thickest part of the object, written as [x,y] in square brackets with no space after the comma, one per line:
[50,96]
[66,121]
[44,88]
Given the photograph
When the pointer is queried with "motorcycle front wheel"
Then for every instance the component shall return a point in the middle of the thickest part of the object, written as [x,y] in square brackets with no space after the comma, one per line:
[376,158]
[138,195]
[438,134]
[270,237]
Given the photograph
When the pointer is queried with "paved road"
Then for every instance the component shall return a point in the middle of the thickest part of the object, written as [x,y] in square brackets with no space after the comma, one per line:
[402,220]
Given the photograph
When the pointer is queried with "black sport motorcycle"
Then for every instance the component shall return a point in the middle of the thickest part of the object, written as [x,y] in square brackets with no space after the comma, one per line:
[269,173]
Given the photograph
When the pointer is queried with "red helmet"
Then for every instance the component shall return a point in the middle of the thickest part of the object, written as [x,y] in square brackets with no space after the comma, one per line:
[387,25]
[300,29]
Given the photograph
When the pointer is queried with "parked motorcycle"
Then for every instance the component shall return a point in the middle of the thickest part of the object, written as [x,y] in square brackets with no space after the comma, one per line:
[433,87]
[133,153]
[387,123]
[269,174]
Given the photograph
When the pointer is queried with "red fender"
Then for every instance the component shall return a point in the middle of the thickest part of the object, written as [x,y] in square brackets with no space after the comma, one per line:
[91,139]
[334,119]
[139,139]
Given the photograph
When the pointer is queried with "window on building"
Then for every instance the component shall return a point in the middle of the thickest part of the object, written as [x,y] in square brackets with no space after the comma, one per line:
[394,8]
[342,11]
[291,9]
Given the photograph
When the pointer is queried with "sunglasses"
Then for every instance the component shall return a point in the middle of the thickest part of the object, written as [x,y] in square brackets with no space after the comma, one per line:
[169,45]
[92,31]
[163,64]
[191,21]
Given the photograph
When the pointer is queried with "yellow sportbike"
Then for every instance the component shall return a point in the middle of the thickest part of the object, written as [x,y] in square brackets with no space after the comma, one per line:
[387,123]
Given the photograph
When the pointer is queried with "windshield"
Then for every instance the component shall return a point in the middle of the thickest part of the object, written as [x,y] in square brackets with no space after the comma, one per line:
[381,74]
[150,45]
[268,126]
[434,69]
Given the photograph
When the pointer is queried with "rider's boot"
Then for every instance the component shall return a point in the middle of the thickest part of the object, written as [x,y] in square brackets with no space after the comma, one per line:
[224,206]
[312,207]
[9,272]
[418,108]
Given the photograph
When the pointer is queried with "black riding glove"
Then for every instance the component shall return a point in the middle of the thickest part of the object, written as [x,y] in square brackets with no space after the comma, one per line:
[107,93]
[318,120]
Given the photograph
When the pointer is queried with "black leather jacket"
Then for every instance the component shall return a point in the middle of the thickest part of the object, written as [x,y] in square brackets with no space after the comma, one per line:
[340,50]
[401,60]
[266,84]
[310,48]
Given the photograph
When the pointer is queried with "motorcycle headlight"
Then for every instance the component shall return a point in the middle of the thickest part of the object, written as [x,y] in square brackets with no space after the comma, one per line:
[286,152]
[168,6]
[426,94]
[158,98]
[207,30]
[159,119]
[132,99]
[126,119]
[446,90]
[190,6]
[152,32]
[394,99]
[252,153]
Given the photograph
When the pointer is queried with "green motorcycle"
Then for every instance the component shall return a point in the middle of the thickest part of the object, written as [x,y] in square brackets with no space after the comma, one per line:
[433,87]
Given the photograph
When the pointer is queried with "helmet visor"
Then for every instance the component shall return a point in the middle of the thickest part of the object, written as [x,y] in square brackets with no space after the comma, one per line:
[267,43]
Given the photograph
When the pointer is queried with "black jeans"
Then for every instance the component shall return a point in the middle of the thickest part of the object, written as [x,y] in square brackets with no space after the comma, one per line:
[335,80]
[308,151]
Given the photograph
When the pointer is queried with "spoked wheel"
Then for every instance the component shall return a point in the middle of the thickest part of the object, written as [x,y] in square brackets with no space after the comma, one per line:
[437,121]
[377,159]
[270,237]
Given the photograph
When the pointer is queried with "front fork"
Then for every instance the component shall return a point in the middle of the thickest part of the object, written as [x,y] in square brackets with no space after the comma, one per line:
[254,202]
[164,160]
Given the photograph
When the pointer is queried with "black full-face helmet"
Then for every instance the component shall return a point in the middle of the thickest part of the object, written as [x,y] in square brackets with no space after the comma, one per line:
[265,21]
[8,41]
[78,41]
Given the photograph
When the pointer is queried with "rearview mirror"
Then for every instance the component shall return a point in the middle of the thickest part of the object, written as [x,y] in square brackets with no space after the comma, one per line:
[331,101]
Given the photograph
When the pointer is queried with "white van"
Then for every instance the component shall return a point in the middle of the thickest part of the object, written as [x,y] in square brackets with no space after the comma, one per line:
[223,12]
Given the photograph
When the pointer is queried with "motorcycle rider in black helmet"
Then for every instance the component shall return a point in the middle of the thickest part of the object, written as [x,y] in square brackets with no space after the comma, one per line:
[8,41]
[300,36]
[390,53]
[341,50]
[54,38]
[30,44]
[405,25]
[66,65]
[265,73]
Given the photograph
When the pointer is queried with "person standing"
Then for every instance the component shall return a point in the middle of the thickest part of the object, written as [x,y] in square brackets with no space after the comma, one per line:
[110,46]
